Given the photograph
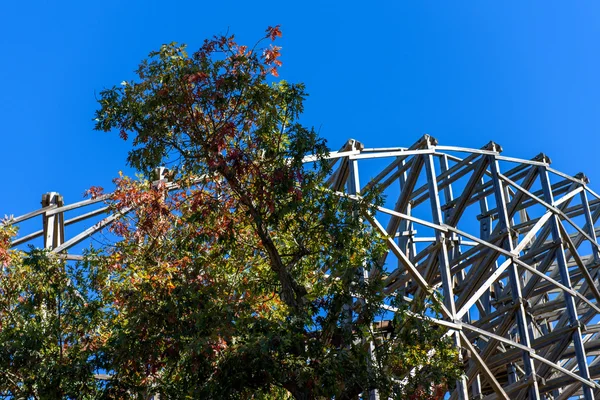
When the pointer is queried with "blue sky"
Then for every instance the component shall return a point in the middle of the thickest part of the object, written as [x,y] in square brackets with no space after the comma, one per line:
[524,74]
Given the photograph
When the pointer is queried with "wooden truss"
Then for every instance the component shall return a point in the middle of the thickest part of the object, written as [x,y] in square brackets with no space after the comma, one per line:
[510,244]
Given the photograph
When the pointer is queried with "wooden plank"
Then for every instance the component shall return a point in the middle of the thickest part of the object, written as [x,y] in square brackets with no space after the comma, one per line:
[483,366]
[79,204]
[398,253]
[32,214]
[88,232]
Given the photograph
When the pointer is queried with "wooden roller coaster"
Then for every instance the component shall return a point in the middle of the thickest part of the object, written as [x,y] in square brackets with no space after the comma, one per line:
[510,244]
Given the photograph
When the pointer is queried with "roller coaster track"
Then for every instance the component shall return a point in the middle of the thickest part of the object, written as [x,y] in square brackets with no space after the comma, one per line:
[510,244]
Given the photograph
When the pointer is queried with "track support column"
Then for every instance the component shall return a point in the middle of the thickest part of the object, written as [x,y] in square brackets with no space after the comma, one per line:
[514,278]
[563,270]
[54,224]
[444,262]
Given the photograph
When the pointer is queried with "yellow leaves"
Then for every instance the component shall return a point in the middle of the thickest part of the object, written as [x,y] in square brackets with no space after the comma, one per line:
[7,232]
[146,278]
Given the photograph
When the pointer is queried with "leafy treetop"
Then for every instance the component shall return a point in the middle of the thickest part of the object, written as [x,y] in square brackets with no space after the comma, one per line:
[239,277]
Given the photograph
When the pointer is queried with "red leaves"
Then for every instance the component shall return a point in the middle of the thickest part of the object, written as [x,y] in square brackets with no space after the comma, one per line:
[163,92]
[199,76]
[271,54]
[153,216]
[273,32]
[438,392]
[94,192]
[4,254]
[119,228]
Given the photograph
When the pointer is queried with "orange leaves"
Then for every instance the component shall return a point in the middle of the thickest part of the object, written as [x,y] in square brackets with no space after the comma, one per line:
[152,213]
[94,192]
[7,232]
[4,257]
[273,32]
[271,54]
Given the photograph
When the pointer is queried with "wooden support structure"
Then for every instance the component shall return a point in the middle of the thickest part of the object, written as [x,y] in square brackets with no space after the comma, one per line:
[509,244]
[53,223]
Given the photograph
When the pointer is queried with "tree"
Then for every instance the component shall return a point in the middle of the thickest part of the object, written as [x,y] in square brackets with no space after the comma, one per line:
[50,325]
[239,276]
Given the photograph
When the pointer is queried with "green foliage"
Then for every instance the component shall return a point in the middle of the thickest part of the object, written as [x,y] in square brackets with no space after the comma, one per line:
[49,329]
[237,279]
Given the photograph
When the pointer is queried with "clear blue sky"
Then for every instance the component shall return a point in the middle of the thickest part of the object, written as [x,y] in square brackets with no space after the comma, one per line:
[522,73]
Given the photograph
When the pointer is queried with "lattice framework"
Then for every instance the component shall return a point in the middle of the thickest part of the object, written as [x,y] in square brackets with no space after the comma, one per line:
[510,244]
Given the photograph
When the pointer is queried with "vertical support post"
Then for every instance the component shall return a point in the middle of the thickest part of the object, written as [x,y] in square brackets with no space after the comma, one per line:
[444,262]
[160,174]
[54,225]
[485,226]
[590,224]
[514,279]
[448,194]
[54,236]
[353,188]
[523,217]
[454,252]
[563,270]
[347,308]
[512,373]
[405,242]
